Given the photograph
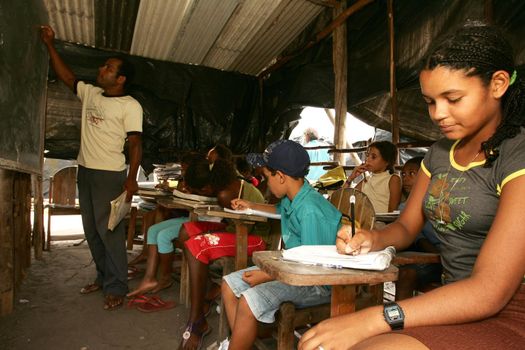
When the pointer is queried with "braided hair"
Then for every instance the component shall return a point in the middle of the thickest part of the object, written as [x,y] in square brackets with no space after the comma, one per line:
[481,50]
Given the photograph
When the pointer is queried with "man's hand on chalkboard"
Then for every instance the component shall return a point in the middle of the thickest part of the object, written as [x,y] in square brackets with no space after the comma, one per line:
[47,34]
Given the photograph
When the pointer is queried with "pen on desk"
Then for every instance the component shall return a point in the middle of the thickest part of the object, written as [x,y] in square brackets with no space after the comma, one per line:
[352,213]
[240,189]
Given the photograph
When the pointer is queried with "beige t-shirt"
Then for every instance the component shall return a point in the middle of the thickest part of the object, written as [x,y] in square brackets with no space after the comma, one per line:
[377,189]
[105,124]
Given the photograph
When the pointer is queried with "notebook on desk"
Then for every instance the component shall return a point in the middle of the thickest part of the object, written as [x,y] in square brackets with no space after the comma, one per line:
[250,211]
[194,197]
[327,255]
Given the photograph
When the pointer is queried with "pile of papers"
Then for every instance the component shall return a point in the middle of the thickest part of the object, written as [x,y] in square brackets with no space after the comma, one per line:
[327,255]
[167,171]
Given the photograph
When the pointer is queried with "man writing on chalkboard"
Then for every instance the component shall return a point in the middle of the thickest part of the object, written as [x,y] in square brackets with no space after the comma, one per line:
[109,117]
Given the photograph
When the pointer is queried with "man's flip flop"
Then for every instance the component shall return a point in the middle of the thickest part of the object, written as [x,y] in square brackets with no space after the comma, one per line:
[90,288]
[156,304]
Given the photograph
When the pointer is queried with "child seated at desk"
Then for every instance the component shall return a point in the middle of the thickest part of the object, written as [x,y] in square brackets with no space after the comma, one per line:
[161,235]
[414,277]
[207,241]
[383,185]
[471,185]
[250,295]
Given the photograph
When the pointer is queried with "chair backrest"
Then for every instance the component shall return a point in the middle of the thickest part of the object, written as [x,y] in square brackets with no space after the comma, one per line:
[364,210]
[63,186]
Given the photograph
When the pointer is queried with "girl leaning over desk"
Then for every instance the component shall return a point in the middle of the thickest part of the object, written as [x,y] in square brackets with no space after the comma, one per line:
[470,187]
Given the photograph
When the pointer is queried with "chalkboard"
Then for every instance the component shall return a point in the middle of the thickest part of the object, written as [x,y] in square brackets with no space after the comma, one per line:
[23,73]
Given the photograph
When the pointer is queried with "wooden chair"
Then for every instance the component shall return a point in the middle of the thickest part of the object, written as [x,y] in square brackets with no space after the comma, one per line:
[289,317]
[62,197]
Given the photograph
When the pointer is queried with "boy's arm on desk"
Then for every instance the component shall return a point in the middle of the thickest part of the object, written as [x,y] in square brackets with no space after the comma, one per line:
[241,204]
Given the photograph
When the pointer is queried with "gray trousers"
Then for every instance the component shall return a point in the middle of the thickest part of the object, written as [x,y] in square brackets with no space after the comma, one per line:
[96,188]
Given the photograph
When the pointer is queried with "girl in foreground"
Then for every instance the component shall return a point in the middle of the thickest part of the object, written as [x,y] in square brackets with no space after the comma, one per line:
[470,187]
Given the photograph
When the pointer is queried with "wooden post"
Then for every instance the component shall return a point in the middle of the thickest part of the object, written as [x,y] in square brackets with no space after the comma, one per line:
[7,261]
[22,225]
[38,216]
[393,89]
[340,72]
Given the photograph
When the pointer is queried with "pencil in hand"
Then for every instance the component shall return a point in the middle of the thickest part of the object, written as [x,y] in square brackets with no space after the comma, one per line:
[240,189]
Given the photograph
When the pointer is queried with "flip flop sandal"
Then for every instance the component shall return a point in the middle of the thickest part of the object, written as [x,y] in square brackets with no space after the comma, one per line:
[155,304]
[191,329]
[136,301]
[90,288]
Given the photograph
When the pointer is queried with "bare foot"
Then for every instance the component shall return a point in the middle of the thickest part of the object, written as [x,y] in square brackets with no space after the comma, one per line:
[144,287]
[113,302]
[163,284]
[194,334]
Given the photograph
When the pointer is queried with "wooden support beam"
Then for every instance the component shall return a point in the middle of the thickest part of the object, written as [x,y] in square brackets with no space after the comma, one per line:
[327,3]
[394,118]
[340,63]
[7,259]
[320,36]
[38,216]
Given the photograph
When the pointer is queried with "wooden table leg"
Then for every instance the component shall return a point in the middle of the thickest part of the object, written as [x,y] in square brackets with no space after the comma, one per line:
[343,300]
[241,245]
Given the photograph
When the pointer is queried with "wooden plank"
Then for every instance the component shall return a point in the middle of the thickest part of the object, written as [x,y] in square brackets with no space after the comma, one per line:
[298,274]
[409,257]
[38,217]
[393,88]
[343,300]
[241,245]
[340,61]
[6,242]
[320,36]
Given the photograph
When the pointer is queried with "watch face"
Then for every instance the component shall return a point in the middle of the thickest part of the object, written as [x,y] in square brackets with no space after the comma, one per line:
[393,313]
[394,316]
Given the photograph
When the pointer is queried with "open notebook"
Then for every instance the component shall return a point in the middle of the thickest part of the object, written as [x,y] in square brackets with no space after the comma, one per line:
[250,211]
[327,255]
[194,197]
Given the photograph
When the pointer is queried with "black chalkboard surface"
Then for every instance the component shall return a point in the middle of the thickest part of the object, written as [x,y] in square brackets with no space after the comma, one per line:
[23,74]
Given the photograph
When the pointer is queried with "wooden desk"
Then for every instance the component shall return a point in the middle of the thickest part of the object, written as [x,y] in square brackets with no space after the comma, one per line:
[179,203]
[387,217]
[410,257]
[344,282]
[242,223]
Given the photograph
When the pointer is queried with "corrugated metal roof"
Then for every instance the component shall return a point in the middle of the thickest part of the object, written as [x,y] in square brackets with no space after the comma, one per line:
[233,35]
[73,20]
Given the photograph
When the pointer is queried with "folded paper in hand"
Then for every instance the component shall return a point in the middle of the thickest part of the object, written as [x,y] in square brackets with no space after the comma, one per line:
[250,211]
[327,255]
[119,209]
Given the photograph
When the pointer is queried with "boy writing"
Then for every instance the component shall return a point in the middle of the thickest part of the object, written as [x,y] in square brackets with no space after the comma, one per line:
[250,295]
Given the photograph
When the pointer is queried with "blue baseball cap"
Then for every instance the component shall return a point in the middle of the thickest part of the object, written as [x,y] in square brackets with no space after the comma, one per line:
[284,155]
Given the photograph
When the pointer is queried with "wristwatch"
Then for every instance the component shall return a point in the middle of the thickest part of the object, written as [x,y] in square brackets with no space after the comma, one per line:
[394,316]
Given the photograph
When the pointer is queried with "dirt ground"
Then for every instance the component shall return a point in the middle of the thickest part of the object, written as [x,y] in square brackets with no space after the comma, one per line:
[51,314]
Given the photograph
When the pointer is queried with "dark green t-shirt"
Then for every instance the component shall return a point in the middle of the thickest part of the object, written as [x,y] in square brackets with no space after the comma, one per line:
[461,202]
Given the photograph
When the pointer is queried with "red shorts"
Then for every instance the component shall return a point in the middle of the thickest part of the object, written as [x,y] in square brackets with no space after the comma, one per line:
[208,241]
